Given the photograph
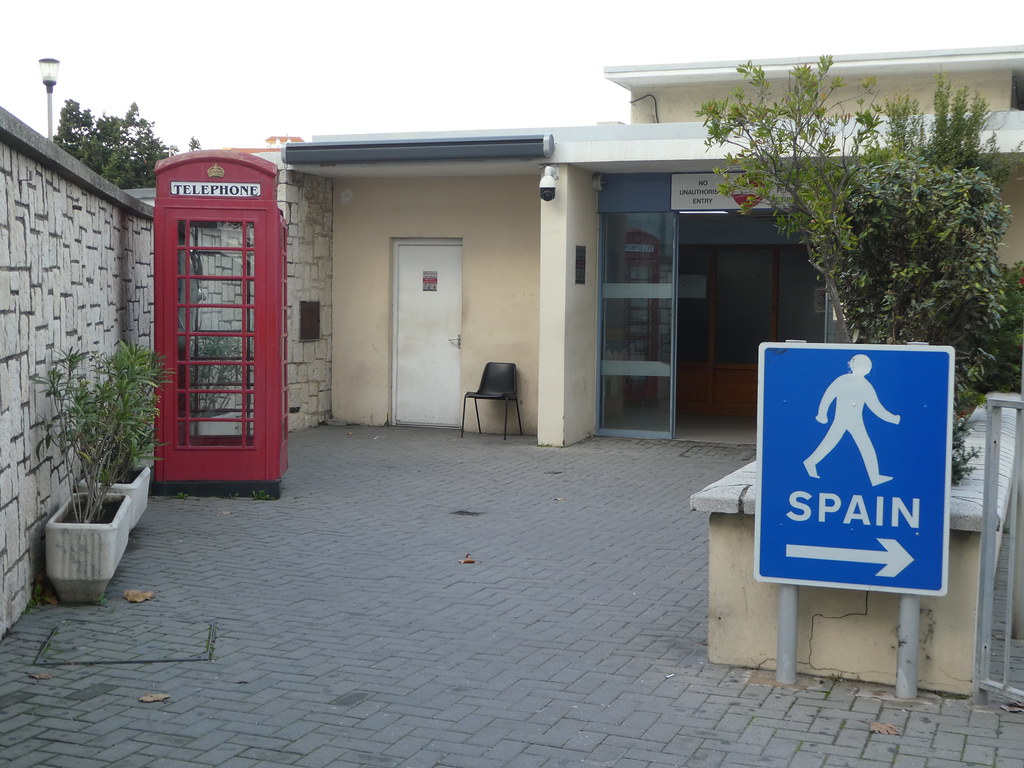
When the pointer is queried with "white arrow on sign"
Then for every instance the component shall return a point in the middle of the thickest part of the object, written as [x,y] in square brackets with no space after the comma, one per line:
[894,559]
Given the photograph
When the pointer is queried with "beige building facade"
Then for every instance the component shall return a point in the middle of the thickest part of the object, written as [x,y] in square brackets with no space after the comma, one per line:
[633,301]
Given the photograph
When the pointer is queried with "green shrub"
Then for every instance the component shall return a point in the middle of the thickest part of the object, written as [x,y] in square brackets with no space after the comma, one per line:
[103,420]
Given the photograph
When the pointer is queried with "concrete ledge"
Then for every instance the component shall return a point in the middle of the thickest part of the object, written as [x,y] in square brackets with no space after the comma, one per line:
[736,493]
[23,139]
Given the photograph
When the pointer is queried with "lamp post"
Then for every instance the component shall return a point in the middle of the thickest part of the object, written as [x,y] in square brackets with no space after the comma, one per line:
[48,67]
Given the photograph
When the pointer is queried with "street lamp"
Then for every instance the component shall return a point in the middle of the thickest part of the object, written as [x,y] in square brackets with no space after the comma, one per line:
[48,67]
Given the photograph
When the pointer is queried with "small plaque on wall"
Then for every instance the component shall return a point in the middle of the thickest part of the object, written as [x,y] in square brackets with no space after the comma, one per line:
[309,320]
[581,264]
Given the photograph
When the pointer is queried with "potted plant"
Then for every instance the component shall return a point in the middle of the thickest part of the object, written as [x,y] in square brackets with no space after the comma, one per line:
[101,426]
[141,374]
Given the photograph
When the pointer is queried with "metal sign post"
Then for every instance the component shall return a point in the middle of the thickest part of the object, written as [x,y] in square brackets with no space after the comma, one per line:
[853,454]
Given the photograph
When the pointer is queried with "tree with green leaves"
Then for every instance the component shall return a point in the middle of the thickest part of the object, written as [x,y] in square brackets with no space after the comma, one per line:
[952,138]
[901,212]
[926,263]
[796,145]
[124,150]
[925,268]
[930,221]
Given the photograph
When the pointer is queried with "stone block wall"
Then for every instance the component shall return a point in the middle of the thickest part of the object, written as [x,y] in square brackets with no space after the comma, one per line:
[75,272]
[76,261]
[308,207]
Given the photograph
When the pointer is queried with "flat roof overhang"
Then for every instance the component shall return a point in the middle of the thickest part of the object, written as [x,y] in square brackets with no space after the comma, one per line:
[614,148]
[1010,58]
[420,150]
[609,148]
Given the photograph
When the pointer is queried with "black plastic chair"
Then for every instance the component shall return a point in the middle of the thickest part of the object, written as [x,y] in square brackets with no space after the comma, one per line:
[497,383]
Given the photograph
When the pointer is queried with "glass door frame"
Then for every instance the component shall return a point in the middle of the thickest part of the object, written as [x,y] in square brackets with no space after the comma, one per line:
[603,364]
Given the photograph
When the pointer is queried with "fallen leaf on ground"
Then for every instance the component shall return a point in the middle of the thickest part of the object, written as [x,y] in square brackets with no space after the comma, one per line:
[41,675]
[148,698]
[138,596]
[43,591]
[1013,706]
[467,560]
[886,728]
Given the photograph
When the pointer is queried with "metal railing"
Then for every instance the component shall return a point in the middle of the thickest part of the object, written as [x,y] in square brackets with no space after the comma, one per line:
[999,652]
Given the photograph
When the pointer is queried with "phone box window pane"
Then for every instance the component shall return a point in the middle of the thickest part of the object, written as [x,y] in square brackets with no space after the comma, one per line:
[207,429]
[216,234]
[216,291]
[219,263]
[217,405]
[216,348]
[221,319]
[215,377]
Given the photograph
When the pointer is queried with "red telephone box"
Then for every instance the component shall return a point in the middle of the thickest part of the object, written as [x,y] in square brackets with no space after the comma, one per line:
[220,323]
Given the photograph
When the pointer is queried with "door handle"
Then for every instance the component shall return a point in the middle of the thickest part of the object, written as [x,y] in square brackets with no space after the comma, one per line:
[458,341]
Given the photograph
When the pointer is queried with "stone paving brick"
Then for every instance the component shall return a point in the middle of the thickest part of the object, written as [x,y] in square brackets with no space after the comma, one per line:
[974,753]
[321,757]
[239,762]
[938,762]
[755,760]
[908,761]
[36,759]
[1008,759]
[779,747]
[349,635]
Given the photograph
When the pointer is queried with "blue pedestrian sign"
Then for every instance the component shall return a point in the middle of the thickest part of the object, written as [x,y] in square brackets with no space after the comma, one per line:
[853,466]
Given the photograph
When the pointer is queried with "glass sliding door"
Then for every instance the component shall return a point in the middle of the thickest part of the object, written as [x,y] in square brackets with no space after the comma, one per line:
[638,322]
[684,302]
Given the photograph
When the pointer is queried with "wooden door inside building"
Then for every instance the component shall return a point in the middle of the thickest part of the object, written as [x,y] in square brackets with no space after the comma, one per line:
[731,298]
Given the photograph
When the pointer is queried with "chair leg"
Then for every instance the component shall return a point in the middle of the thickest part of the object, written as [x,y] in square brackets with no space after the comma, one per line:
[479,426]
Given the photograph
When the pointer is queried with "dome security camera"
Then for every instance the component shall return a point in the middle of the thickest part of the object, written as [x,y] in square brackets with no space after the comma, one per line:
[547,183]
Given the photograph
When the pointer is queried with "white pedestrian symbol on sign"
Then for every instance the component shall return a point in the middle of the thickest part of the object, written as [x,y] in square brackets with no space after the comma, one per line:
[851,392]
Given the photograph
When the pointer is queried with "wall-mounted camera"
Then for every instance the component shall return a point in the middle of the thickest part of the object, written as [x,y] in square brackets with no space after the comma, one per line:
[547,183]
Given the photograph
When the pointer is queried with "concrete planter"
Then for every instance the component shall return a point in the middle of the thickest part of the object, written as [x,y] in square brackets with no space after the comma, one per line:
[845,633]
[137,491]
[81,557]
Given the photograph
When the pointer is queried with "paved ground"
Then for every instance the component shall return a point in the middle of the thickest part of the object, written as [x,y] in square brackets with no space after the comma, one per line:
[347,633]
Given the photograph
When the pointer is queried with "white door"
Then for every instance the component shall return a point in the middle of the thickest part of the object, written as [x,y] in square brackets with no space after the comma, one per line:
[427,328]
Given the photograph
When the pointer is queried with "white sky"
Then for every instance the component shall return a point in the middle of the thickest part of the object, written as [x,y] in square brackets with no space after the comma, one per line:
[233,73]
